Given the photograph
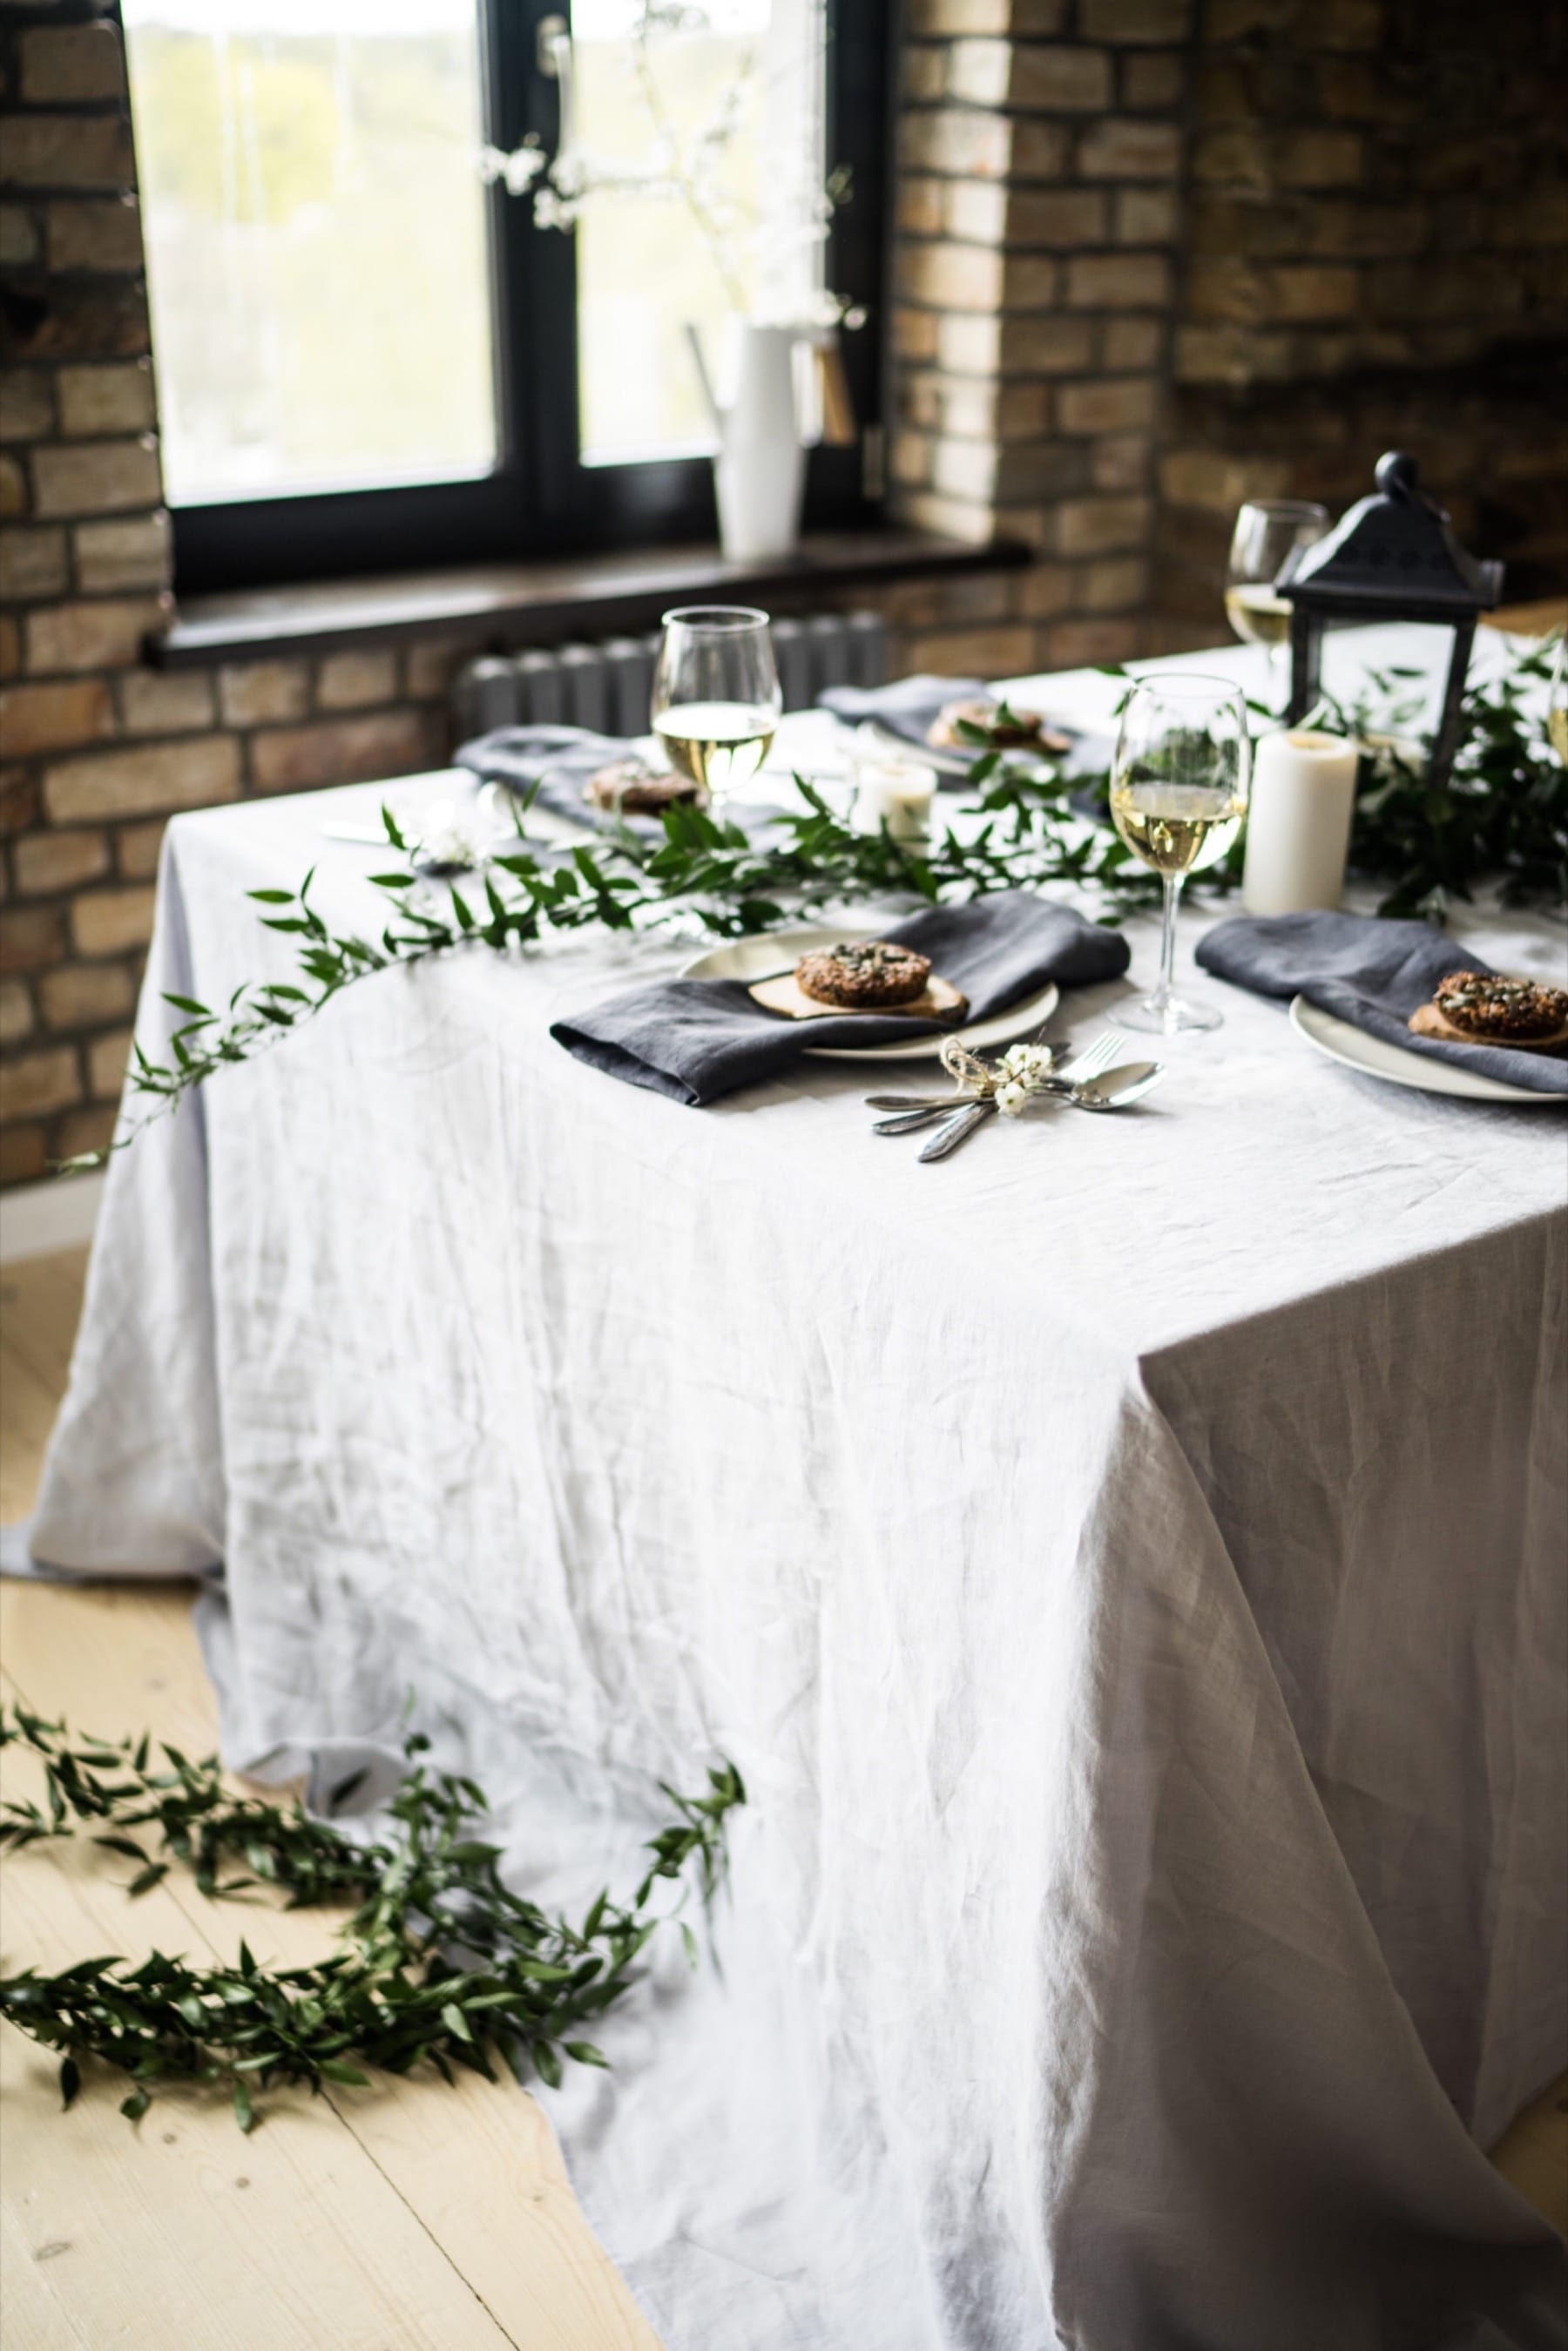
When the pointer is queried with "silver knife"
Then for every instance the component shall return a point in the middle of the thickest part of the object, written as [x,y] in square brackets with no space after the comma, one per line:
[957,1128]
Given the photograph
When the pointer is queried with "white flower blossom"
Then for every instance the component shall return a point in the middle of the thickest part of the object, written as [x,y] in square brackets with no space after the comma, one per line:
[689,173]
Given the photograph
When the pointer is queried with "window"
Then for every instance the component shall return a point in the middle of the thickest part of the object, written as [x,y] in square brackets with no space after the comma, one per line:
[316,244]
[368,358]
[647,269]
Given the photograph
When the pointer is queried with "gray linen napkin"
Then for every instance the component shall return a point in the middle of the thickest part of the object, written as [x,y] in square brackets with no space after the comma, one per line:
[558,762]
[1369,971]
[907,707]
[695,1039]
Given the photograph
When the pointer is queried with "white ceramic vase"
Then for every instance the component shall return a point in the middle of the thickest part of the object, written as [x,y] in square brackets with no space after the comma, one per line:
[759,472]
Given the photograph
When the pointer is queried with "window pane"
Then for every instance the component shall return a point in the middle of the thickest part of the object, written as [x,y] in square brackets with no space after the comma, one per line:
[734,107]
[317,251]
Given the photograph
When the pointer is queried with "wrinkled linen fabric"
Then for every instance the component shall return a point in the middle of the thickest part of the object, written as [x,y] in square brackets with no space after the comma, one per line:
[696,1041]
[1373,973]
[1124,1560]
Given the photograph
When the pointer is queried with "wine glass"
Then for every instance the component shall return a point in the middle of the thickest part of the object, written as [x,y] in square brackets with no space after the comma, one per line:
[1266,531]
[1557,700]
[1178,794]
[716,702]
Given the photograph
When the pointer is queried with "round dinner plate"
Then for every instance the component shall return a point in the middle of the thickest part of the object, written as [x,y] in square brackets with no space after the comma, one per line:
[1377,1059]
[771,951]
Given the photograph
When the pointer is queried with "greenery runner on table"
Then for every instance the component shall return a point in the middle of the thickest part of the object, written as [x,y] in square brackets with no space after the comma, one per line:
[441,1962]
[1503,821]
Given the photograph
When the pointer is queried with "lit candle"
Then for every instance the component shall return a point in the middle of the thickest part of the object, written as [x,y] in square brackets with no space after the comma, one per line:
[897,791]
[1298,825]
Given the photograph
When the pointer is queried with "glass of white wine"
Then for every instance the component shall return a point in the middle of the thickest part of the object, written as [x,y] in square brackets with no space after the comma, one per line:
[1266,531]
[1178,795]
[1557,701]
[716,702]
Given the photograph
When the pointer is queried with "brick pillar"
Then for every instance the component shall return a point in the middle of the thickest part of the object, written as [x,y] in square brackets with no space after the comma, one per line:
[1376,256]
[1039,153]
[99,749]
[84,570]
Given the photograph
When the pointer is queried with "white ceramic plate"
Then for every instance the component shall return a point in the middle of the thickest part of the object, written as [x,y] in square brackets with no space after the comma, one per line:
[753,958]
[1378,1059]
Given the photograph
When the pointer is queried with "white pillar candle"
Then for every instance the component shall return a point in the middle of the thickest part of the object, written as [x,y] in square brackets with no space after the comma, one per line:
[1297,824]
[897,790]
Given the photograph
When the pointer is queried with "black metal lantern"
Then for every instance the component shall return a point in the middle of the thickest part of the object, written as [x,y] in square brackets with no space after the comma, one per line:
[1391,557]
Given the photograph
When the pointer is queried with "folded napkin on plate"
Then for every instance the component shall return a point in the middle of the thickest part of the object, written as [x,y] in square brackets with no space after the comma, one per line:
[695,1039]
[1369,971]
[558,762]
[905,708]
[908,707]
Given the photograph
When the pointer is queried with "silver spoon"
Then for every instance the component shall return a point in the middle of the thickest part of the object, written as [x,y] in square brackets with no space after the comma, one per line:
[1114,1091]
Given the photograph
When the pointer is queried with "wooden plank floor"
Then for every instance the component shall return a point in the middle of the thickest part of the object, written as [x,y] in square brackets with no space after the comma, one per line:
[409,2218]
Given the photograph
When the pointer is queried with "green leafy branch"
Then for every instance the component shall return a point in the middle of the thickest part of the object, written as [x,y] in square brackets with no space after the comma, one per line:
[1503,817]
[441,1964]
[700,868]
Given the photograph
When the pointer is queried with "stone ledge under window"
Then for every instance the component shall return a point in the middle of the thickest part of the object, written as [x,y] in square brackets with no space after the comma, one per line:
[503,604]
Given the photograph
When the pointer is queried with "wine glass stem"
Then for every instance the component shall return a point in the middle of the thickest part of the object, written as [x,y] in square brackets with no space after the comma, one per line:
[1166,988]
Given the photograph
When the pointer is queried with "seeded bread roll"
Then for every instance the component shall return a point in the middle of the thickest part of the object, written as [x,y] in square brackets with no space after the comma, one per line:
[631,788]
[865,973]
[1020,730]
[1473,1007]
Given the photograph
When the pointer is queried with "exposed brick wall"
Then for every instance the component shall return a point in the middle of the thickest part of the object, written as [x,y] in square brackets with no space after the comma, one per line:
[1152,256]
[98,749]
[1376,256]
[1039,146]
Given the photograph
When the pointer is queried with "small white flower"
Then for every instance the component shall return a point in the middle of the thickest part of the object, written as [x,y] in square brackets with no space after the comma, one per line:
[1012,1100]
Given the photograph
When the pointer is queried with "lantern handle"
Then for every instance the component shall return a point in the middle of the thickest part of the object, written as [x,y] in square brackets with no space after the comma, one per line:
[1399,475]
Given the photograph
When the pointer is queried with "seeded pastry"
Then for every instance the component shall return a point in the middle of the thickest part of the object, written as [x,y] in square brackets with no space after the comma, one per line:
[866,973]
[1020,730]
[631,788]
[1473,1007]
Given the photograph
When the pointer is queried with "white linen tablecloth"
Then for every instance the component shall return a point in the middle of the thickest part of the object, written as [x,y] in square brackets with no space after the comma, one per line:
[1125,1561]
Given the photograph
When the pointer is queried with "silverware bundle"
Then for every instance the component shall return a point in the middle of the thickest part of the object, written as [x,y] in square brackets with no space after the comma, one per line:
[1091,1080]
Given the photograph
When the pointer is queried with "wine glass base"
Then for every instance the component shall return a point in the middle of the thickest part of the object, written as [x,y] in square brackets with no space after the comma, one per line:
[1169,1016]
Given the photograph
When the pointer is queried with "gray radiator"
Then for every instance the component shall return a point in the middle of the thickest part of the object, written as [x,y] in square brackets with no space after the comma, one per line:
[608,686]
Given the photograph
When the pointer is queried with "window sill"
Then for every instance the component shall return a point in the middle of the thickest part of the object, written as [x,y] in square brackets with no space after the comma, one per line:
[500,605]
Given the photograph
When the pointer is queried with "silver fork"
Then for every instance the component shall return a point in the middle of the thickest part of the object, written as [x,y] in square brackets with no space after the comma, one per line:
[1101,1056]
[958,1127]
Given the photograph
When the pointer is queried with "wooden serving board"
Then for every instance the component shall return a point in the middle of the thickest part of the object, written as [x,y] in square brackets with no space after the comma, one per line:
[781,992]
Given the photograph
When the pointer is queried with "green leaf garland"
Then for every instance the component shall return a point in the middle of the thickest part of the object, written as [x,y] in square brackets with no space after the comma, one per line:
[1503,819]
[440,1962]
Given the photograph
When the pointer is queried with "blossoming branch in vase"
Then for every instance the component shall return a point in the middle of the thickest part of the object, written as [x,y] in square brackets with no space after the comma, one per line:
[690,170]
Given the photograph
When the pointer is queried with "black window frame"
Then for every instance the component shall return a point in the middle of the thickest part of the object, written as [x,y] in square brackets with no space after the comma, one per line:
[541,501]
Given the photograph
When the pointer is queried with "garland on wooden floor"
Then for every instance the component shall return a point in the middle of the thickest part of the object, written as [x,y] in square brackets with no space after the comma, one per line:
[441,1964]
